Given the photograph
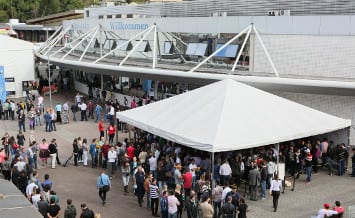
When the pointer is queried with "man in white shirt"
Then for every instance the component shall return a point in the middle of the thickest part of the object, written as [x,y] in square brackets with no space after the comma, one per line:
[225,173]
[36,197]
[225,191]
[21,164]
[83,108]
[153,165]
[326,211]
[193,167]
[112,156]
[65,106]
[29,189]
[40,102]
[111,114]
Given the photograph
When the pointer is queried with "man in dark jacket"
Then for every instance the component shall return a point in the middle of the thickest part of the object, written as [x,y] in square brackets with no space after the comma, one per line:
[86,212]
[254,179]
[263,178]
[228,209]
[192,206]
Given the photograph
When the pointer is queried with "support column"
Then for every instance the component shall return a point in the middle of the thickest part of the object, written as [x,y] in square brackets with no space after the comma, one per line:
[102,81]
[156,84]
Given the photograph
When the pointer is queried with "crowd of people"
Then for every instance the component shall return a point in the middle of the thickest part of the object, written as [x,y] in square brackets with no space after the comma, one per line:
[164,174]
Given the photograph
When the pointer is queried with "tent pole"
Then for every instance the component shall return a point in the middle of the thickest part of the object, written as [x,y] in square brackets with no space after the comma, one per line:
[212,174]
[277,157]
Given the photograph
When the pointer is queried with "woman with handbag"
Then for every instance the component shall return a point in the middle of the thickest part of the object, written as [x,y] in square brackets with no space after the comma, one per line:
[43,151]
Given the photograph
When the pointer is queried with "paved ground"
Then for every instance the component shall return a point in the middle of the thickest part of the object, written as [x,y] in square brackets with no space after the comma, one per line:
[79,182]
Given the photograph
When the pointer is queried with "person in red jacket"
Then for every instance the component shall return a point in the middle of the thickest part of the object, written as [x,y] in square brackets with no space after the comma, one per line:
[111,130]
[130,151]
[101,129]
[187,177]
[104,149]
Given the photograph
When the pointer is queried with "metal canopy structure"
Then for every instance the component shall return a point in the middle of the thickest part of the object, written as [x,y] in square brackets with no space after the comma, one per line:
[143,56]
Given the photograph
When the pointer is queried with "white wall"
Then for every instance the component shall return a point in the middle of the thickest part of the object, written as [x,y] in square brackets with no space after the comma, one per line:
[310,56]
[20,65]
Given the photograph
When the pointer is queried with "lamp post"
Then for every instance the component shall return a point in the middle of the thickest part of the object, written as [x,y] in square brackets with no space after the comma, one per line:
[49,81]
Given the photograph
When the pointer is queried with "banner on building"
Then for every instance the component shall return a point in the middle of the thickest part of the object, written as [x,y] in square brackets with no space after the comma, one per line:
[2,84]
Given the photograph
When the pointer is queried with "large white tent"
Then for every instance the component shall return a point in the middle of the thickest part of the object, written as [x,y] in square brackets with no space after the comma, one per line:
[17,57]
[228,115]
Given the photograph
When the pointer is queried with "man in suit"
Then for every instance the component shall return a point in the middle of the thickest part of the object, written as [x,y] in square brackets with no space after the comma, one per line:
[254,180]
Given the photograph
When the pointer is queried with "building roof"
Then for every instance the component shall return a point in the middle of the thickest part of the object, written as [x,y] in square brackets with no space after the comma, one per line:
[56,19]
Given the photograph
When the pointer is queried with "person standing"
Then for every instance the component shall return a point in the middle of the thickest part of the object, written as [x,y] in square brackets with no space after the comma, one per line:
[111,130]
[164,205]
[353,163]
[154,197]
[42,205]
[242,209]
[75,151]
[70,211]
[275,188]
[43,152]
[48,119]
[228,209]
[254,178]
[103,184]
[112,156]
[74,108]
[191,206]
[83,108]
[139,179]
[341,156]
[93,153]
[225,172]
[217,199]
[86,212]
[308,163]
[187,178]
[53,209]
[101,129]
[91,109]
[206,209]
[125,170]
[98,110]
[173,203]
[21,121]
[53,152]
[58,109]
[263,178]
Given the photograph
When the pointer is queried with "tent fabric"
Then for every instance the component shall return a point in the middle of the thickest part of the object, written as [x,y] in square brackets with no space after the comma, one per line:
[228,115]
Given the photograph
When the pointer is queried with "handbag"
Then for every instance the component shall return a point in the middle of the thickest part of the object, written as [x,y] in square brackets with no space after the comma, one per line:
[43,153]
[105,188]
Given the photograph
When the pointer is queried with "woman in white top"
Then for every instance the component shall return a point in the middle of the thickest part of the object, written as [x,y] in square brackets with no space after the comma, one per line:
[275,187]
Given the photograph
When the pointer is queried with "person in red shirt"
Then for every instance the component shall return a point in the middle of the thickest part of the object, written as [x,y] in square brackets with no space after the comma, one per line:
[111,130]
[338,208]
[105,148]
[187,177]
[130,151]
[101,129]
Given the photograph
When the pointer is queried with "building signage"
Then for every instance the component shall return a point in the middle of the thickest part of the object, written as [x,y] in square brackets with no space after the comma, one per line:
[128,26]
[10,79]
[2,84]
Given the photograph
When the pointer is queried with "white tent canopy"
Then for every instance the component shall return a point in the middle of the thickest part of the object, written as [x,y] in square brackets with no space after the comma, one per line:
[228,115]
